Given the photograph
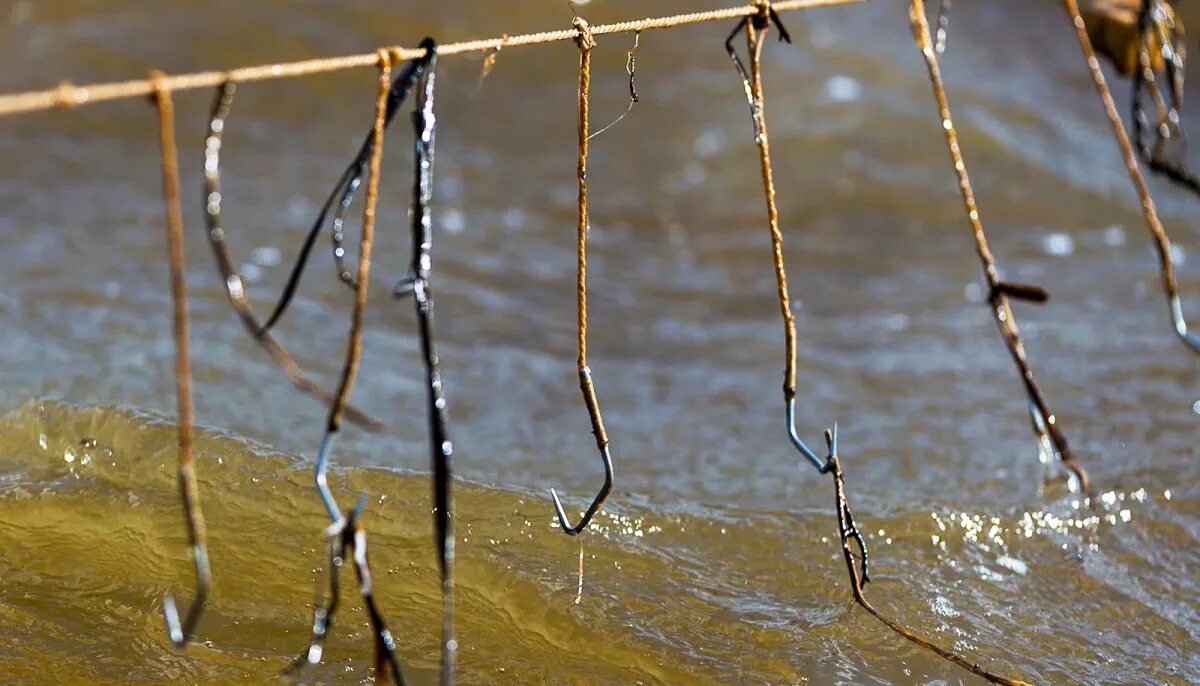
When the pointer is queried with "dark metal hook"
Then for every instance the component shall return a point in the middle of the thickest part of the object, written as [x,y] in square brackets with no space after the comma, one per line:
[593,406]
[847,530]
[179,632]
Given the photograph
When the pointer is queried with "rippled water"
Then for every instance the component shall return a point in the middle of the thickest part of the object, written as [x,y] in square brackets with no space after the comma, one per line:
[714,560]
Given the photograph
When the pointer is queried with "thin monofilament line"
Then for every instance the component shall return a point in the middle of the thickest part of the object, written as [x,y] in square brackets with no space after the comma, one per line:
[68,95]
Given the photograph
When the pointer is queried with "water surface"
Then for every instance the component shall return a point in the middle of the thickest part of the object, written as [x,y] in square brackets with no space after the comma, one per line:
[714,560]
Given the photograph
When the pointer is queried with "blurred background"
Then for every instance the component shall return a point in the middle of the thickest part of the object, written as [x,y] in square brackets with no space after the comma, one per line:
[716,558]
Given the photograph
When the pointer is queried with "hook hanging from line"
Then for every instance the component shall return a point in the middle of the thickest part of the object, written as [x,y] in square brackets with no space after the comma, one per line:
[756,28]
[999,291]
[345,531]
[235,289]
[586,43]
[416,284]
[1162,242]
[180,631]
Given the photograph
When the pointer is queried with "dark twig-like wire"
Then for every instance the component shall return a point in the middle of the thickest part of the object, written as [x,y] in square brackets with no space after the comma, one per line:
[586,42]
[1162,242]
[999,291]
[235,288]
[189,490]
[847,531]
[416,284]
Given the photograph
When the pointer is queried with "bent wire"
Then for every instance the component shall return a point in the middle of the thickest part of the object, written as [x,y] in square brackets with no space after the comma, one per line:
[178,630]
[756,27]
[235,288]
[348,534]
[343,194]
[1160,43]
[1162,242]
[345,530]
[586,43]
[1044,422]
[416,284]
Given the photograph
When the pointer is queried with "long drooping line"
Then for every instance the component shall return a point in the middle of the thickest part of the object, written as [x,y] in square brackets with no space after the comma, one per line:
[416,284]
[189,491]
[999,291]
[235,288]
[586,43]
[1161,241]
[345,530]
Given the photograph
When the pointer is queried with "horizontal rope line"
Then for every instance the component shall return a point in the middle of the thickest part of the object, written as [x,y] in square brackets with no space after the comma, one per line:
[68,95]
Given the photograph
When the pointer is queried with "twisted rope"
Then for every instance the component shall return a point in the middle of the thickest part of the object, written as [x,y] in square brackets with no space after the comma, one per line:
[67,95]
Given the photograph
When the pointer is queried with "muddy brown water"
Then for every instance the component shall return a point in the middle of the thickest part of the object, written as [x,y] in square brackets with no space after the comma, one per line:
[714,560]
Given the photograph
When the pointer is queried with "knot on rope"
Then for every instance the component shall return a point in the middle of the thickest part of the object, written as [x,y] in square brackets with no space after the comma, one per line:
[68,95]
[385,57]
[158,83]
[584,40]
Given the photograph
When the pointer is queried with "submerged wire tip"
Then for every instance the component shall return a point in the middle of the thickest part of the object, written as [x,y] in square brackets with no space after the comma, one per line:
[171,616]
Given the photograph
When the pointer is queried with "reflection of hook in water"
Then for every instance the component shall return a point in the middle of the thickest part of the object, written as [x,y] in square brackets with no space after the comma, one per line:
[189,491]
[756,28]
[586,43]
[235,289]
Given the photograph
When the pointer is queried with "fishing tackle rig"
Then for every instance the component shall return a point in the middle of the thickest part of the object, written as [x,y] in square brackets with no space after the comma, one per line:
[1161,52]
[235,288]
[345,530]
[756,28]
[586,43]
